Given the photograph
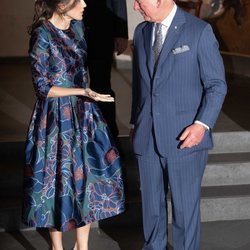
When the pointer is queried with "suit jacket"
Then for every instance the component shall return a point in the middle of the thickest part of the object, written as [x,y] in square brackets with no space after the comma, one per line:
[104,20]
[187,85]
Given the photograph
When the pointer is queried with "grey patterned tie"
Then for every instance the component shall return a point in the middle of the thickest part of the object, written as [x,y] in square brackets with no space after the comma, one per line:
[157,45]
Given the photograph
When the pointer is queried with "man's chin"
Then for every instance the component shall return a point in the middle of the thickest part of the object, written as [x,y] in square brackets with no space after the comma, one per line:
[148,19]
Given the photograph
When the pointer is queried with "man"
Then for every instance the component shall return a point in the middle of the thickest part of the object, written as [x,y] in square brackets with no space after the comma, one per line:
[178,90]
[106,31]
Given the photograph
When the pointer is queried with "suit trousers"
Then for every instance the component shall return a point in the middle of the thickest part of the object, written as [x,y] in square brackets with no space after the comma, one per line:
[183,175]
[100,81]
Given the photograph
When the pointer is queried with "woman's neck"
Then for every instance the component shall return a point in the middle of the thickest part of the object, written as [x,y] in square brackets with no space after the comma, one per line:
[60,21]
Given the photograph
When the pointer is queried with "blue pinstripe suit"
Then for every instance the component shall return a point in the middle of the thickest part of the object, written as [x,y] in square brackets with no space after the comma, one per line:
[187,85]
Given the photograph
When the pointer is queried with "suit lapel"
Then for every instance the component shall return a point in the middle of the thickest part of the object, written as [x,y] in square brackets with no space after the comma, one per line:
[173,34]
[147,35]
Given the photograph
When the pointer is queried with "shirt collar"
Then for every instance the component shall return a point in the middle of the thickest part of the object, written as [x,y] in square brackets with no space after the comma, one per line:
[168,20]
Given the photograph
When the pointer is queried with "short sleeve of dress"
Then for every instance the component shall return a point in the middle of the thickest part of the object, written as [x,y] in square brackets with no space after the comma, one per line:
[39,56]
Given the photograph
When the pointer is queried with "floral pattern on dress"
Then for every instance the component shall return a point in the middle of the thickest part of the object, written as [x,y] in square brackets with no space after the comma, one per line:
[72,175]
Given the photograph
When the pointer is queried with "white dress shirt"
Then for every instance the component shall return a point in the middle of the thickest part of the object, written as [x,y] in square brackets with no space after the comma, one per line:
[165,24]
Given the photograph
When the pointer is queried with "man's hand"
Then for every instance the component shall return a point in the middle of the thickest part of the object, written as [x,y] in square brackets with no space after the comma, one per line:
[192,135]
[121,45]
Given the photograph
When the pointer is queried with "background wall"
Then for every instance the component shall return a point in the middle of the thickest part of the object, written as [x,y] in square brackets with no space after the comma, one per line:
[16,15]
[232,37]
[133,18]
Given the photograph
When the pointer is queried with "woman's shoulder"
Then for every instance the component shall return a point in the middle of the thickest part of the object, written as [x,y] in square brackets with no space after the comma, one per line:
[39,36]
[41,29]
[41,32]
[78,24]
[78,27]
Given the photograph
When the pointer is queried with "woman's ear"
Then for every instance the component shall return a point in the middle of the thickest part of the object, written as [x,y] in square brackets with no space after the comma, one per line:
[61,7]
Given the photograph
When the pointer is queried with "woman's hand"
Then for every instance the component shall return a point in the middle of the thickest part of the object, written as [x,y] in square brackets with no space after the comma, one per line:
[98,97]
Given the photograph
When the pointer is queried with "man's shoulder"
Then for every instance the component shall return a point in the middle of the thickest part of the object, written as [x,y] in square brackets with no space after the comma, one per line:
[140,26]
[194,21]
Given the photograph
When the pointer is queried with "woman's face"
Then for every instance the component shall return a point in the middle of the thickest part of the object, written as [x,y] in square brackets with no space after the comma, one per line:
[77,11]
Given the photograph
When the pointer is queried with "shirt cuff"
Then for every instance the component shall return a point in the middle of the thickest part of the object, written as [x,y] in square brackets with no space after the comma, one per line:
[203,124]
[132,126]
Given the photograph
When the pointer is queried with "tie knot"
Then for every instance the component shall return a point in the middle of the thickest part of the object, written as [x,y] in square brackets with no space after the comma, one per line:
[158,41]
[158,27]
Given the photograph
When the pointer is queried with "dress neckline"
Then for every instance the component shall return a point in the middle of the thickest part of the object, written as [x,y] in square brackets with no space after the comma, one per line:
[62,30]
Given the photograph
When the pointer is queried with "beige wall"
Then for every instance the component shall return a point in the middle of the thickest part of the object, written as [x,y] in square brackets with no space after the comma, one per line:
[133,18]
[16,15]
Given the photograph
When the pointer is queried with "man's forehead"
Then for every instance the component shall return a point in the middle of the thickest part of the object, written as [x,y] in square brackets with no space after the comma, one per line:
[144,1]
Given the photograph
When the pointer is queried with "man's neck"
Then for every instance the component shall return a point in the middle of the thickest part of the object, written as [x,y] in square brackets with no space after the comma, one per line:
[166,10]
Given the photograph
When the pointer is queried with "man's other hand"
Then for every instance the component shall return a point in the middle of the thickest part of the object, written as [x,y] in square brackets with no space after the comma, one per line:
[192,135]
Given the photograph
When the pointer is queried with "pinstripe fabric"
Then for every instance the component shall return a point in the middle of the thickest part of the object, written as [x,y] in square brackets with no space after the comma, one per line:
[187,85]
[153,204]
[184,176]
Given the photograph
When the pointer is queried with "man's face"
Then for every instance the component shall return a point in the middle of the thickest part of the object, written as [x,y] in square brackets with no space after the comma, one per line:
[147,8]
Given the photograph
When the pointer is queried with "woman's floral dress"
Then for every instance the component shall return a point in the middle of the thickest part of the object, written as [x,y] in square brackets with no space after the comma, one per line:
[72,173]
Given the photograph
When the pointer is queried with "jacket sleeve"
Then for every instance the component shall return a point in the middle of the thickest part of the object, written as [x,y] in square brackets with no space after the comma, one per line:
[39,58]
[212,76]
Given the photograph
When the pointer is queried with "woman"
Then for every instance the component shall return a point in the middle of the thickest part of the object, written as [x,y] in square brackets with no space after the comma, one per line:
[72,172]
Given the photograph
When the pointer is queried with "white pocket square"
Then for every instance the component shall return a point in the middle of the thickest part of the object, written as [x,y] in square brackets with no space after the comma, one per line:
[181,49]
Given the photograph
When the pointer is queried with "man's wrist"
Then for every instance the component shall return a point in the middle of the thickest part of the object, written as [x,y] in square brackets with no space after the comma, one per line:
[203,124]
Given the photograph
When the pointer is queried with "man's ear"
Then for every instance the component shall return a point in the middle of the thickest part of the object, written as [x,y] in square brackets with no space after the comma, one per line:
[159,3]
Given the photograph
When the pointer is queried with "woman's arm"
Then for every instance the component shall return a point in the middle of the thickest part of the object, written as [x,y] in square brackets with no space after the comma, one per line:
[39,55]
[56,91]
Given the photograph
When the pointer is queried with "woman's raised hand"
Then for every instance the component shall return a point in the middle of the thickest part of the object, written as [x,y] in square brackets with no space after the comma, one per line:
[98,97]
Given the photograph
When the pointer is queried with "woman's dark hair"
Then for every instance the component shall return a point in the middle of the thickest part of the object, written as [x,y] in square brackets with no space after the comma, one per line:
[44,10]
